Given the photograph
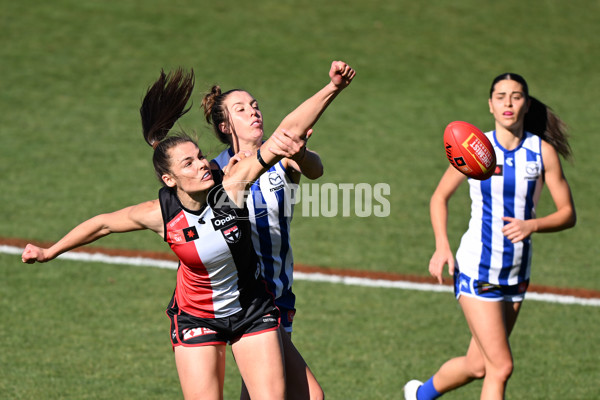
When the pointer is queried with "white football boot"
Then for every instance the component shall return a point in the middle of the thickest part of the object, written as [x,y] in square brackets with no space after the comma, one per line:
[410,389]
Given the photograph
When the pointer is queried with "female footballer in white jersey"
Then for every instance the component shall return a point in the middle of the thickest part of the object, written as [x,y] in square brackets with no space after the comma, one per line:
[492,267]
[219,297]
[238,122]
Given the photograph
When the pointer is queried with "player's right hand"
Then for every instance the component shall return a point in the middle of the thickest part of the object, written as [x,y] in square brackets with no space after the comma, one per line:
[236,159]
[32,254]
[437,262]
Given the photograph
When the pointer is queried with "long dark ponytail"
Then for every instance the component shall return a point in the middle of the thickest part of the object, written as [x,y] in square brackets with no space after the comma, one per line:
[164,103]
[540,119]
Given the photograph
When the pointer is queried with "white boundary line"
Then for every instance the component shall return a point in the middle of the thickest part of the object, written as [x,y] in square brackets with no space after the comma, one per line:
[306,276]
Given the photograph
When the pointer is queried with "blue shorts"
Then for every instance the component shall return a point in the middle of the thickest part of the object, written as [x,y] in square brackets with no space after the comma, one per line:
[467,286]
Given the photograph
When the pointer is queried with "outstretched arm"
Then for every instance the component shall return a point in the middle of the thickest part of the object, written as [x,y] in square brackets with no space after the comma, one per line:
[307,114]
[298,158]
[142,216]
[297,123]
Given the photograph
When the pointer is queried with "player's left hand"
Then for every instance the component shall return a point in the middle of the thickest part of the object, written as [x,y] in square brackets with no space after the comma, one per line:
[516,229]
[341,74]
[289,145]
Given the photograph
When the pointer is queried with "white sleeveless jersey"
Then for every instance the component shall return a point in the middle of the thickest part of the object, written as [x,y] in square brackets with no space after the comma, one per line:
[513,191]
[270,208]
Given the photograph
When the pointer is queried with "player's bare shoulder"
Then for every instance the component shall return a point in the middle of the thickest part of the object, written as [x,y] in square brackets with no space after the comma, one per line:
[148,214]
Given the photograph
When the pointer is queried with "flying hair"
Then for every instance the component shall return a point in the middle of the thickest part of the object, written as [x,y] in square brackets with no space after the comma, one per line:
[164,103]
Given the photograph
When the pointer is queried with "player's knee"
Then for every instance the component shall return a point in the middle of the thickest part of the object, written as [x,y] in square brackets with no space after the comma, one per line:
[502,371]
[507,371]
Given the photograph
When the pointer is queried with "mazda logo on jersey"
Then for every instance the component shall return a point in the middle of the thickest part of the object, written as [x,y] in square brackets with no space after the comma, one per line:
[232,234]
[533,170]
[274,178]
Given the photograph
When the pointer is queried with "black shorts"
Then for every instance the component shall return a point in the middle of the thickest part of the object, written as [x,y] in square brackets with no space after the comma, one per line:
[188,330]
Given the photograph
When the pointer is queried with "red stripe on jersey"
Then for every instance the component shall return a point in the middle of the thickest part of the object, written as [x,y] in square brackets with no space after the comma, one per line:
[194,293]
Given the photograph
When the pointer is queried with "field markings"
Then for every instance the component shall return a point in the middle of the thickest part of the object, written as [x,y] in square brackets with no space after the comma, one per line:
[306,274]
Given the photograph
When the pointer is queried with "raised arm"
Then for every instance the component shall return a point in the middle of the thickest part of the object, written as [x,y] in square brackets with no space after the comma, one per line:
[142,216]
[298,158]
[297,123]
[306,115]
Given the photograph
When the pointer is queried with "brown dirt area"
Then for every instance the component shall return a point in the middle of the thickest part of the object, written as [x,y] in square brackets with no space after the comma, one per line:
[390,276]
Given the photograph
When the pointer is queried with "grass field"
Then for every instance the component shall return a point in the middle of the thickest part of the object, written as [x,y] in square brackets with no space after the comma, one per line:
[73,74]
[97,331]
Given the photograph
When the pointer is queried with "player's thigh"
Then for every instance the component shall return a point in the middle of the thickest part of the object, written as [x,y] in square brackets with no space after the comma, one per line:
[259,359]
[511,312]
[486,320]
[300,381]
[201,371]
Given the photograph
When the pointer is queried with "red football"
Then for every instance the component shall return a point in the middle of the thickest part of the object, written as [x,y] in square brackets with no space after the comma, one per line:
[469,150]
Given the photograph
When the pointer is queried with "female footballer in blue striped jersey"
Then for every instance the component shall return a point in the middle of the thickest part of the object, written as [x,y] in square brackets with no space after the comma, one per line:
[493,261]
[237,121]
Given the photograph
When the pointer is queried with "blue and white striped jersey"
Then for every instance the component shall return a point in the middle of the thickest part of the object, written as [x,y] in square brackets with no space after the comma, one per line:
[513,191]
[271,210]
